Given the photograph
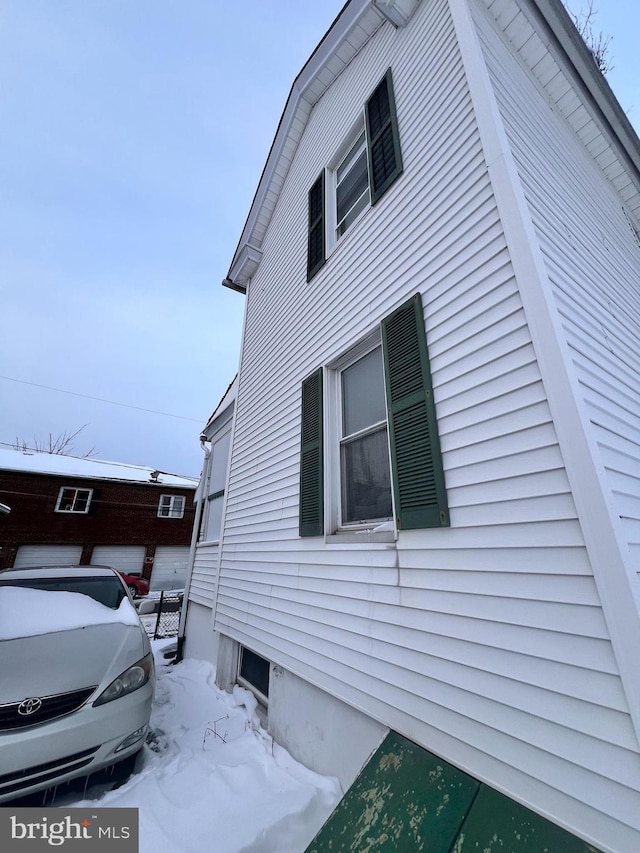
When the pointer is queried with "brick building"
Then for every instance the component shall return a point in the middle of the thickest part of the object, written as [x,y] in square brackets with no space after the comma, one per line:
[70,510]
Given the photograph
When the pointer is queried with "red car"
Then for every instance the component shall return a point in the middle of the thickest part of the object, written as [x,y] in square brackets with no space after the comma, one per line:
[137,585]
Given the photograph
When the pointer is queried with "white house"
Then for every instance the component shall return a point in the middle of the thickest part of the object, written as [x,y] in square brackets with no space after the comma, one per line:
[432,515]
[197,638]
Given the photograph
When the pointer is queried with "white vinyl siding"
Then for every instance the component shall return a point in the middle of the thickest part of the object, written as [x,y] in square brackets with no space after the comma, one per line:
[593,261]
[126,558]
[202,585]
[48,555]
[485,641]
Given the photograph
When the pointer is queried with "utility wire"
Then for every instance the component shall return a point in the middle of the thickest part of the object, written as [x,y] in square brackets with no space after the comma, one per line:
[102,400]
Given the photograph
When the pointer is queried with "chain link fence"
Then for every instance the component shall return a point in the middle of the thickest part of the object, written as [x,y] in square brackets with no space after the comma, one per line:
[160,614]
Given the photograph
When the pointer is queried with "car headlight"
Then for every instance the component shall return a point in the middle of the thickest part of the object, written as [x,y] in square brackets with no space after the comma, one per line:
[128,681]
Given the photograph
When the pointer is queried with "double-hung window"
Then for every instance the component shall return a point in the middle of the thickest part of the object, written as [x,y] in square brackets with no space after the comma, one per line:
[367,165]
[73,500]
[365,473]
[171,506]
[352,184]
[383,444]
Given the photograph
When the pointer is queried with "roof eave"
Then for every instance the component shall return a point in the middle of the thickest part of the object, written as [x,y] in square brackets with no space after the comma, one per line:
[558,24]
[307,89]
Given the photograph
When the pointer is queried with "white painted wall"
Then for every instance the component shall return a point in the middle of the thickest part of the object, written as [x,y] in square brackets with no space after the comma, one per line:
[485,642]
[324,733]
[201,641]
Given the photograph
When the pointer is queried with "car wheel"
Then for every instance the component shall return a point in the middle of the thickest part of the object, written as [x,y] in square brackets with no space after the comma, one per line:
[133,589]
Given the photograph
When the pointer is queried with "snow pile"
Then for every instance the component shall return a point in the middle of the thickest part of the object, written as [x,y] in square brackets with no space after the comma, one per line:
[212,780]
[30,612]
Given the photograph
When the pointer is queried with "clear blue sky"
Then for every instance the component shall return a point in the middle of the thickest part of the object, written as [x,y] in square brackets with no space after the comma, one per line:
[133,137]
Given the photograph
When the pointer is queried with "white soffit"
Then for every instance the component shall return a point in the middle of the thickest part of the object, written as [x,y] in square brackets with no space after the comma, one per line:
[549,45]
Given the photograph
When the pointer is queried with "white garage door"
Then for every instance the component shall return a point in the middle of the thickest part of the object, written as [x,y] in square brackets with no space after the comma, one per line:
[48,555]
[170,567]
[126,558]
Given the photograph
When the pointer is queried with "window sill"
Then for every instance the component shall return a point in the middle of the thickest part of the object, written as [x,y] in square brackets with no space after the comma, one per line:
[365,536]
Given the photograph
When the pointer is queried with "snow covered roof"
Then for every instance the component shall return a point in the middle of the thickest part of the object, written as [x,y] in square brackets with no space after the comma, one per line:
[33,462]
[228,397]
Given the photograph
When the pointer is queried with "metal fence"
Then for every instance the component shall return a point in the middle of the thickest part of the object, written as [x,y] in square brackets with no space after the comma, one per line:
[164,620]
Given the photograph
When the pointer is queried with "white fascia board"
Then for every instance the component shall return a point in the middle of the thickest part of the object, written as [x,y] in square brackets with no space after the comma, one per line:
[307,88]
[244,265]
[602,534]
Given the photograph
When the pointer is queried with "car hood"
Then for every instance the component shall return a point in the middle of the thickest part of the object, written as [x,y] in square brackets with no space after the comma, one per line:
[62,661]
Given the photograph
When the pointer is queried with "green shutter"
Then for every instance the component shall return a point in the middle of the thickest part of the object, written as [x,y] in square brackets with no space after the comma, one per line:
[311,459]
[316,239]
[383,140]
[416,460]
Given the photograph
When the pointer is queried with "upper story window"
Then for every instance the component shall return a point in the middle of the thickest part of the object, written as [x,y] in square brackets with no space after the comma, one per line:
[369,433]
[73,500]
[171,506]
[369,163]
[352,185]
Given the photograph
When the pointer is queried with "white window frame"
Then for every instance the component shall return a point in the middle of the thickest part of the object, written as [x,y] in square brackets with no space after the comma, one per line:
[173,512]
[332,238]
[215,489]
[77,492]
[333,441]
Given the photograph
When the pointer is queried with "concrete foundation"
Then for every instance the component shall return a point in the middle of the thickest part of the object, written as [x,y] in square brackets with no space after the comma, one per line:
[201,641]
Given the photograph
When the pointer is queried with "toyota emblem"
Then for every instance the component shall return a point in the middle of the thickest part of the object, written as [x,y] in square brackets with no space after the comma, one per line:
[29,706]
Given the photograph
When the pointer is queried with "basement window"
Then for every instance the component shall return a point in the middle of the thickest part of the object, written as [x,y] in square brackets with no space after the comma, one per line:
[253,672]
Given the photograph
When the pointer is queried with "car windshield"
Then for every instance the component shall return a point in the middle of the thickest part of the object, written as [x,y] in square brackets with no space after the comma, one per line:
[107,591]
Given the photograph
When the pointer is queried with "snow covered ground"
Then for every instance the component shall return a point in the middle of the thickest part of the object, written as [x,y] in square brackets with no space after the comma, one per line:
[211,779]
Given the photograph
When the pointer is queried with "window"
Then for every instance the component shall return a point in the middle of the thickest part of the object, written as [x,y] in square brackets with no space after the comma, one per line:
[171,506]
[73,500]
[352,185]
[254,671]
[369,164]
[365,474]
[390,463]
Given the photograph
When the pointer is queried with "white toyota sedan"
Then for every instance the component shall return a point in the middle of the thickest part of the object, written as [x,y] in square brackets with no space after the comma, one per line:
[76,677]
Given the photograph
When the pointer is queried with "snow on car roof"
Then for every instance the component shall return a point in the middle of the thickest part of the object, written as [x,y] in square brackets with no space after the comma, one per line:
[34,462]
[57,572]
[31,612]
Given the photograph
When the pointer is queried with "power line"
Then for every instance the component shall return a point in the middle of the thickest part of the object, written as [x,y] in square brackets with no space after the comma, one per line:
[102,400]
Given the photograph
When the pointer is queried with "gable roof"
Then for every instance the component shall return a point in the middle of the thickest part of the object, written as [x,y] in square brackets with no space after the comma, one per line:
[32,462]
[227,398]
[356,24]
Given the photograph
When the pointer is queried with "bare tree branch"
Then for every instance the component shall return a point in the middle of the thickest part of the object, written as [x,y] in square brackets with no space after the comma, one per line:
[598,44]
[61,445]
